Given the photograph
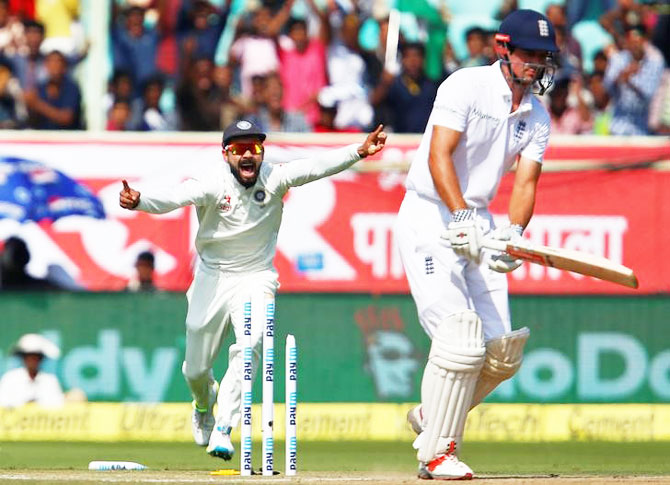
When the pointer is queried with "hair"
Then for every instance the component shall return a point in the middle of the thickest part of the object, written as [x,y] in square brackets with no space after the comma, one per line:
[17,250]
[147,257]
[413,45]
[639,28]
[120,73]
[475,31]
[33,24]
[296,22]
[153,79]
[134,9]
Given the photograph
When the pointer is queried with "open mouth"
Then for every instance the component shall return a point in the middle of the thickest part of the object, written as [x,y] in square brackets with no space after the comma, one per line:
[247,169]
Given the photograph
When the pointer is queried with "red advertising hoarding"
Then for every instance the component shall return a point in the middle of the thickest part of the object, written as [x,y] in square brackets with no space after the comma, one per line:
[337,232]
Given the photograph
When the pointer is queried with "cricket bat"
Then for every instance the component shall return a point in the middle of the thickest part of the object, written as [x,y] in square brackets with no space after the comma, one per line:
[392,38]
[566,259]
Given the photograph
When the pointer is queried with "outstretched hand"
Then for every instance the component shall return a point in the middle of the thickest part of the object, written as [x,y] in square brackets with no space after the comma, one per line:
[128,198]
[374,143]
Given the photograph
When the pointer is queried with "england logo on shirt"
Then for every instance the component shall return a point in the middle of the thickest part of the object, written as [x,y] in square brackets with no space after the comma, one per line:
[519,130]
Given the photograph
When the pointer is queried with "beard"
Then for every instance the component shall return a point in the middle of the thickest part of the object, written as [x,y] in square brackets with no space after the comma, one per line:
[245,183]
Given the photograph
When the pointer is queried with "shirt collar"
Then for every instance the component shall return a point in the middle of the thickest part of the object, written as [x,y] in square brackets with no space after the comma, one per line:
[503,88]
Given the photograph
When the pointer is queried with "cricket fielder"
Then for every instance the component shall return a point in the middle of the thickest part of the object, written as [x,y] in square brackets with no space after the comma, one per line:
[239,207]
[484,119]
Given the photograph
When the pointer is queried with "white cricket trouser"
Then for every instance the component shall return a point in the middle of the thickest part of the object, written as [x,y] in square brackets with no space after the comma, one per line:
[215,302]
[443,283]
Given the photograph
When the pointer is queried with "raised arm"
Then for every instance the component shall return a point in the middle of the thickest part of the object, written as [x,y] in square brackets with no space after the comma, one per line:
[299,172]
[280,18]
[188,192]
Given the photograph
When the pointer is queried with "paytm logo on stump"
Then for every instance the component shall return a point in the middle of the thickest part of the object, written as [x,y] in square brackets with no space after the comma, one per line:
[608,366]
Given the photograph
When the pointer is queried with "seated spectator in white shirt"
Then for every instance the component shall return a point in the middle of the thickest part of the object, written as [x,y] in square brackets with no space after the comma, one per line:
[28,383]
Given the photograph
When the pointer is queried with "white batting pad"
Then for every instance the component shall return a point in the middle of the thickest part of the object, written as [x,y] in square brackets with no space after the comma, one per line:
[456,357]
[503,358]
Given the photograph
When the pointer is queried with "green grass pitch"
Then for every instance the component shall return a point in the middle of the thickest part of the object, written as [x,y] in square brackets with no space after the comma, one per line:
[648,458]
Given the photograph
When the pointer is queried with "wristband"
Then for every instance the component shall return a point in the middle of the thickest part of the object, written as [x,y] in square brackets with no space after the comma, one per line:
[461,215]
[517,228]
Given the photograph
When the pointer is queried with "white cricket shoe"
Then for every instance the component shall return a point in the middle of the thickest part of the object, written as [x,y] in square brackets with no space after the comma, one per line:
[446,467]
[202,420]
[220,444]
[414,418]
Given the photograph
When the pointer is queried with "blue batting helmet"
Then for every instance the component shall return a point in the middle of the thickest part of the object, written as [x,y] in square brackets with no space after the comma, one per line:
[528,29]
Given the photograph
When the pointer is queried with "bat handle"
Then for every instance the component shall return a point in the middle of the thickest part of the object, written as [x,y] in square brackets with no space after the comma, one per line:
[495,244]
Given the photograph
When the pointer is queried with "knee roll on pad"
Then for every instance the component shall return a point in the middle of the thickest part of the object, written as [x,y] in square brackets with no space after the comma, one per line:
[503,359]
[455,360]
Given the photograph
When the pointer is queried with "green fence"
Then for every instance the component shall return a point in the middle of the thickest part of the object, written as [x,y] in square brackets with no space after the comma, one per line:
[352,348]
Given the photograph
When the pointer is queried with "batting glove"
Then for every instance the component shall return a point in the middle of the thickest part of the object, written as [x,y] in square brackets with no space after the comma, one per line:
[464,235]
[503,262]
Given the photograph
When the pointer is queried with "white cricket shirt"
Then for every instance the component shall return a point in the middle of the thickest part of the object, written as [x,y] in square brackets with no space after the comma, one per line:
[237,225]
[17,389]
[476,101]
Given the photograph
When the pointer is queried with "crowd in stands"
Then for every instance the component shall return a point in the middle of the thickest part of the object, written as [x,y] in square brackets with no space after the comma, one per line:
[319,65]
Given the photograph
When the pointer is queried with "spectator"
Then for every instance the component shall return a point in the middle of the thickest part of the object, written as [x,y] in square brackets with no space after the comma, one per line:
[347,74]
[134,46]
[13,261]
[300,53]
[273,117]
[601,110]
[410,94]
[327,115]
[119,116]
[568,109]
[569,58]
[29,62]
[254,50]
[477,43]
[28,383]
[633,76]
[199,27]
[119,87]
[618,20]
[198,98]
[450,63]
[143,281]
[659,117]
[232,107]
[56,104]
[600,62]
[12,110]
[661,35]
[147,113]
[11,30]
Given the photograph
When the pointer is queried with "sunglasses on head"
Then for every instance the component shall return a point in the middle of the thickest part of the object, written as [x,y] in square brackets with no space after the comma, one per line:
[256,148]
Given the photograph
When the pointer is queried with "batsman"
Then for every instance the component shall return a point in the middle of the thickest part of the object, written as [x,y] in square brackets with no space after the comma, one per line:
[484,119]
[239,206]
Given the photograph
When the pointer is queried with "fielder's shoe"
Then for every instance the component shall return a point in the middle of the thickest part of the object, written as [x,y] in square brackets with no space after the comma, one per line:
[202,420]
[220,444]
[446,466]
[414,418]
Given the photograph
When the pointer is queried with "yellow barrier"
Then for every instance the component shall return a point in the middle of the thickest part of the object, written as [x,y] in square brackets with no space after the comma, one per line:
[343,421]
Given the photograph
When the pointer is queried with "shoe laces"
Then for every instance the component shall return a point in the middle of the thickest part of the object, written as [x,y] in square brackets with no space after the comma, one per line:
[448,456]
